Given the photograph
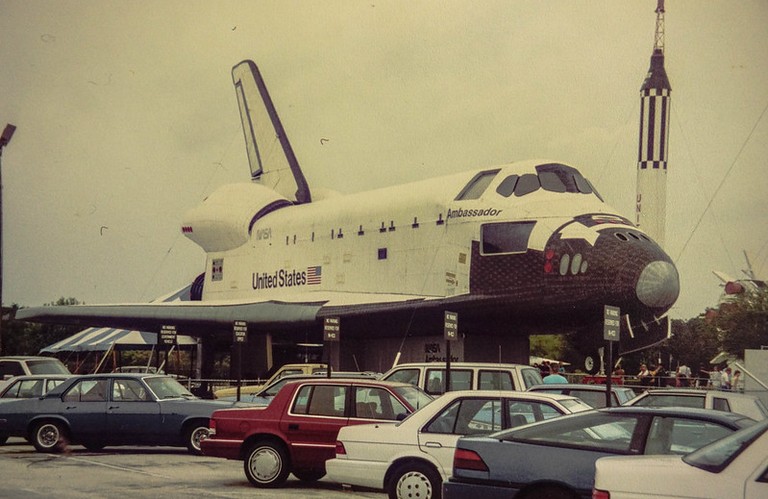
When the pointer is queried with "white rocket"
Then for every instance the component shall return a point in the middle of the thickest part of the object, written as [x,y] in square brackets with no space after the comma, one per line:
[655,102]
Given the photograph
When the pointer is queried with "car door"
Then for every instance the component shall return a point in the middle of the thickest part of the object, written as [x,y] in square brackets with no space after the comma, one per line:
[84,407]
[133,415]
[464,416]
[313,421]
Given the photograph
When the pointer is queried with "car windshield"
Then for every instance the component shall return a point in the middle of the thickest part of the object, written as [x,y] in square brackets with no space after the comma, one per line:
[414,396]
[46,366]
[593,430]
[167,388]
[276,387]
[717,455]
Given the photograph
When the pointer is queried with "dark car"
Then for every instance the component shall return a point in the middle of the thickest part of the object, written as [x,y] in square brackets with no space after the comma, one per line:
[110,409]
[556,458]
[296,433]
[593,395]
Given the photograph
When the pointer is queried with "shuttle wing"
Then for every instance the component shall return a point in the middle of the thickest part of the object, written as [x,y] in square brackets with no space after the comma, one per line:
[199,317]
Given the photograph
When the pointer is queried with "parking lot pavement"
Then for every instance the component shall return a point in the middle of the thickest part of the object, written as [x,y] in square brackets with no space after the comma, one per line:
[140,472]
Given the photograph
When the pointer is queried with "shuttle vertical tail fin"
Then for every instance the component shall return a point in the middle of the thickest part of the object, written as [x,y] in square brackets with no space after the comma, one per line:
[270,155]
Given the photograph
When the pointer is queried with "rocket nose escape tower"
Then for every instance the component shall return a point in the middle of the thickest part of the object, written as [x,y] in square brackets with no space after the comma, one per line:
[654,140]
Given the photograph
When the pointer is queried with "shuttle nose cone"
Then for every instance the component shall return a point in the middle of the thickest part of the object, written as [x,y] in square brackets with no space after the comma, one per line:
[658,285]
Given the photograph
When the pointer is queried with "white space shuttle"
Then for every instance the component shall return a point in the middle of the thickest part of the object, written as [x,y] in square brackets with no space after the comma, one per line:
[520,247]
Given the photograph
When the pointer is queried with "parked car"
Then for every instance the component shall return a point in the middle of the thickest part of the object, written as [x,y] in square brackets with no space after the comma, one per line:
[431,376]
[34,385]
[734,467]
[556,458]
[266,394]
[747,405]
[286,370]
[110,409]
[296,433]
[413,457]
[21,365]
[593,395]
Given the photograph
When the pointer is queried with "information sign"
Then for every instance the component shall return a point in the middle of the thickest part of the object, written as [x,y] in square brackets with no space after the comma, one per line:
[451,326]
[611,323]
[332,329]
[241,331]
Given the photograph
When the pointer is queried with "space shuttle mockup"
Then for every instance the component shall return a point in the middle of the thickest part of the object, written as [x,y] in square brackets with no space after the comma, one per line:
[524,246]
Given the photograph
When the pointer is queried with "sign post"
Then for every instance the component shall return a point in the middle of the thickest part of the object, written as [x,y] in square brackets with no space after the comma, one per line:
[240,331]
[451,332]
[611,328]
[331,336]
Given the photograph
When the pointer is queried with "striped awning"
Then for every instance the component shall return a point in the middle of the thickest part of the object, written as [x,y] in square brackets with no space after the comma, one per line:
[101,339]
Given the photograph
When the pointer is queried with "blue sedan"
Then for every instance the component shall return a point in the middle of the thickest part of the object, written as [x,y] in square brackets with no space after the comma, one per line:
[555,459]
[110,409]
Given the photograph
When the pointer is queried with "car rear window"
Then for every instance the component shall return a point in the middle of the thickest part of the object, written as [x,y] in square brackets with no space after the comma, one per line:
[46,366]
[595,431]
[670,400]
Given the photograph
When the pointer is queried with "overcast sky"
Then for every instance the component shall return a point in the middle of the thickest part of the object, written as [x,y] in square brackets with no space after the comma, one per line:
[127,118]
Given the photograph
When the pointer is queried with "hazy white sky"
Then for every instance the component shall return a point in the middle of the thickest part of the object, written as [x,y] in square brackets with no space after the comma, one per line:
[127,118]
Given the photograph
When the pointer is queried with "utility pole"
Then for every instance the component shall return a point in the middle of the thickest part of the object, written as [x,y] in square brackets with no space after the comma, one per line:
[4,139]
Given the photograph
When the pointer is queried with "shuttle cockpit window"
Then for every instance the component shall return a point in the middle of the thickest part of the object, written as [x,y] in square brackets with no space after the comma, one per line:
[568,177]
[477,186]
[507,186]
[505,237]
[552,177]
[527,184]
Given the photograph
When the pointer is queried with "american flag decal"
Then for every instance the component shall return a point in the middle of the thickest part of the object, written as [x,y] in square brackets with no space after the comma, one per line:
[314,275]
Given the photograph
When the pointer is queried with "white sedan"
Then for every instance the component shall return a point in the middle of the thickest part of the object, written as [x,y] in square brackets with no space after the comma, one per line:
[413,457]
[735,466]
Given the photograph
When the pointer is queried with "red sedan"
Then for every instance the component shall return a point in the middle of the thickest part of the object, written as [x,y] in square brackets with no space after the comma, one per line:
[296,433]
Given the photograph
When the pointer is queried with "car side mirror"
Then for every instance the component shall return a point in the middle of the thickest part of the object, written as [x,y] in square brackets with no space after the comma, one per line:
[401,416]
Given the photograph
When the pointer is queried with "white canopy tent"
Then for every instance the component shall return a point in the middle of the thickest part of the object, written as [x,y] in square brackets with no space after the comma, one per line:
[104,339]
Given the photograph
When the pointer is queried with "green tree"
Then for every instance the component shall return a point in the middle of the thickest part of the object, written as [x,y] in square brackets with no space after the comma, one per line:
[694,342]
[25,338]
[743,322]
[551,346]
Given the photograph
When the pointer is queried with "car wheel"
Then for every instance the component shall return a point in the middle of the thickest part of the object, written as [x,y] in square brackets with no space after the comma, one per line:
[194,435]
[266,464]
[549,492]
[412,480]
[49,436]
[309,475]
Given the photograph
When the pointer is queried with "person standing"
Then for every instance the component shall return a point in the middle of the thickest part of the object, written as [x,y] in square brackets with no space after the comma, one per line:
[716,378]
[644,375]
[725,379]
[735,381]
[554,375]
